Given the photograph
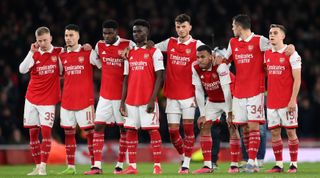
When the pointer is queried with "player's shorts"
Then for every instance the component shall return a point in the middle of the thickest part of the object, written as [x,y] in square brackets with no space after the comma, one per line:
[185,107]
[108,112]
[213,111]
[84,118]
[248,109]
[282,118]
[38,115]
[139,118]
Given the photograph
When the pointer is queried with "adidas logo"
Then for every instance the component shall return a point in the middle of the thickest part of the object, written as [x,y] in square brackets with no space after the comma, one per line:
[65,62]
[268,60]
[172,50]
[38,62]
[236,49]
[103,52]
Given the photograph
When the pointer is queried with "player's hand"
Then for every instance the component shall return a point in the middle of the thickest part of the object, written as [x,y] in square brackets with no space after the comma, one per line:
[150,107]
[217,59]
[230,119]
[125,53]
[123,110]
[34,47]
[149,44]
[290,50]
[292,106]
[87,47]
[201,121]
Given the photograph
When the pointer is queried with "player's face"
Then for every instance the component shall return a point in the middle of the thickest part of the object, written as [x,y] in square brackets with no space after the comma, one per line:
[109,35]
[44,41]
[204,59]
[140,33]
[71,38]
[235,29]
[183,29]
[276,35]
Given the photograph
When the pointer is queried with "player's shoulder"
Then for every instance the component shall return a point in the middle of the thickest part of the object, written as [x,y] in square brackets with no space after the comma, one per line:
[195,65]
[124,40]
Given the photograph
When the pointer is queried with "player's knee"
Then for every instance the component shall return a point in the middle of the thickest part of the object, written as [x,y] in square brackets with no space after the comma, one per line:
[291,133]
[99,128]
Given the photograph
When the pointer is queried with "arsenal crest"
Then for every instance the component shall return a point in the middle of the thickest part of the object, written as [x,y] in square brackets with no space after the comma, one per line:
[188,51]
[54,58]
[281,60]
[81,59]
[120,52]
[250,47]
[146,56]
[214,75]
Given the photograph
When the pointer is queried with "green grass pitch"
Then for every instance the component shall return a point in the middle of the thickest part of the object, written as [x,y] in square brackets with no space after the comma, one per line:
[306,170]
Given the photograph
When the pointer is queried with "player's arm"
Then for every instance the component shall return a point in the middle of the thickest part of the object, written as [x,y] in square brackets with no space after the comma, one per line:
[94,59]
[28,61]
[223,56]
[225,80]
[159,68]
[199,92]
[122,108]
[163,45]
[295,61]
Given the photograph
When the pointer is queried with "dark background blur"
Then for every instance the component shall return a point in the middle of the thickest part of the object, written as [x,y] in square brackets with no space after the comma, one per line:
[211,19]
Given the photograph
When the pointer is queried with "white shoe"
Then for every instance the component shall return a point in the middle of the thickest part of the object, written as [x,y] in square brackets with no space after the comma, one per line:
[42,171]
[34,172]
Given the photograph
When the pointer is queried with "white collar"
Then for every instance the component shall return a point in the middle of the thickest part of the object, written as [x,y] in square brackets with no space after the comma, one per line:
[49,51]
[143,47]
[280,50]
[115,43]
[247,39]
[76,50]
[186,42]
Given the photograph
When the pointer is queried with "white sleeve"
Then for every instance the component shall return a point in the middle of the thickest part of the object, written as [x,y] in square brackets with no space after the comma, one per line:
[96,49]
[200,98]
[264,44]
[224,74]
[132,44]
[94,59]
[195,77]
[163,45]
[27,63]
[199,43]
[228,52]
[126,67]
[295,61]
[158,60]
[227,97]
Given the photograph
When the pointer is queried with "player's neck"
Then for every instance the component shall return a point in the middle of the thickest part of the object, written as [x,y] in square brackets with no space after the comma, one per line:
[74,47]
[245,34]
[278,46]
[184,39]
[142,43]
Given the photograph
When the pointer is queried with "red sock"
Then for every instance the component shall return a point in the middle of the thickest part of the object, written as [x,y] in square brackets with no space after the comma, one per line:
[35,144]
[98,142]
[245,138]
[46,143]
[235,149]
[206,147]
[70,142]
[254,143]
[132,143]
[90,144]
[156,141]
[293,149]
[122,147]
[189,139]
[277,147]
[176,140]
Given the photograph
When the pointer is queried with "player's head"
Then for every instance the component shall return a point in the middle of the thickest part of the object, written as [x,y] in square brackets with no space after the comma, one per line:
[204,56]
[240,22]
[140,30]
[43,38]
[277,34]
[183,25]
[72,35]
[110,31]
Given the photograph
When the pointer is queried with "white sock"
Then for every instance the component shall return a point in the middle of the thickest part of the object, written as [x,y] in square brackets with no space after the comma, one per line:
[119,164]
[97,164]
[71,166]
[251,161]
[208,164]
[279,163]
[182,157]
[38,165]
[157,164]
[134,165]
[294,163]
[186,162]
[234,164]
[43,164]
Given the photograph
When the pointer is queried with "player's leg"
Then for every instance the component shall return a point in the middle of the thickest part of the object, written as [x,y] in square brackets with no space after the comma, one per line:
[132,123]
[68,122]
[263,144]
[32,122]
[234,142]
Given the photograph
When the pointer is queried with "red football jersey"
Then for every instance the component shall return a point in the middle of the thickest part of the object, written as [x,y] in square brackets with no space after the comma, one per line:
[280,79]
[180,56]
[248,59]
[112,68]
[78,80]
[44,84]
[141,74]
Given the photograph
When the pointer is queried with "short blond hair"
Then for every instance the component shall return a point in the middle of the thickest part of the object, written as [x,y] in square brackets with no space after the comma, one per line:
[42,30]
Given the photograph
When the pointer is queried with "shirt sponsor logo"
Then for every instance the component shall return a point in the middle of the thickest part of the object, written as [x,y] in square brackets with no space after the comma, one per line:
[179,60]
